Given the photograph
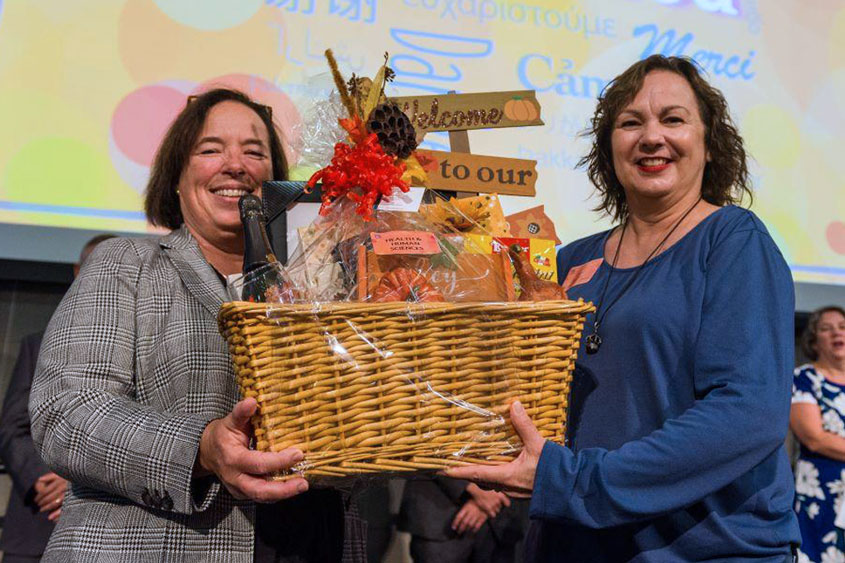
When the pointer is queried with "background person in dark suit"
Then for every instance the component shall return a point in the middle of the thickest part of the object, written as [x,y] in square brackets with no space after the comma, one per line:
[27,525]
[35,502]
[452,520]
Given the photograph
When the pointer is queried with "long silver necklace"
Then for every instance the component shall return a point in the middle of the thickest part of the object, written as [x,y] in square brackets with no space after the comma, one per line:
[594,340]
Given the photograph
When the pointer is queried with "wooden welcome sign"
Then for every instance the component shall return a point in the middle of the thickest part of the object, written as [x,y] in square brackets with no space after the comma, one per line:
[459,170]
[466,172]
[461,112]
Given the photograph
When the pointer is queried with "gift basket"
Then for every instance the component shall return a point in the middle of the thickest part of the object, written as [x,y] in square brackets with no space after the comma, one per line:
[397,334]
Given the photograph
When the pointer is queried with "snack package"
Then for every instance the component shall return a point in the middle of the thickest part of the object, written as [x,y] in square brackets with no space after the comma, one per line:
[532,223]
[395,256]
[478,215]
[540,253]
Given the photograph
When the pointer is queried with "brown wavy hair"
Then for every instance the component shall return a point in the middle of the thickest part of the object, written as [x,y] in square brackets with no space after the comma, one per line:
[725,176]
[161,202]
[810,336]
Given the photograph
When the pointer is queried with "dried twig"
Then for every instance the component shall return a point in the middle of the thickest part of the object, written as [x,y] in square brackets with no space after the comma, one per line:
[340,84]
[354,86]
[388,74]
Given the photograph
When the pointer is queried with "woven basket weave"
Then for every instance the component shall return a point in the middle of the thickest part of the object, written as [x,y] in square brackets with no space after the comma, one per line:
[379,387]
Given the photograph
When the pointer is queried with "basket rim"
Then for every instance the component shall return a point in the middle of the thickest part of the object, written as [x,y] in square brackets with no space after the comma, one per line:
[230,308]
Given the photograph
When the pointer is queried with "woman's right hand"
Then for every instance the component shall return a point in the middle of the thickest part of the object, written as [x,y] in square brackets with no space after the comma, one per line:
[224,451]
[517,477]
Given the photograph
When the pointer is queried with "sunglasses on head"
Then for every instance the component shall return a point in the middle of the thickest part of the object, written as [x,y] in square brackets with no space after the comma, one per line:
[267,109]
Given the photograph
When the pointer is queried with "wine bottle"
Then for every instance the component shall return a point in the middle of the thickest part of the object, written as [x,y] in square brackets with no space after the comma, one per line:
[257,252]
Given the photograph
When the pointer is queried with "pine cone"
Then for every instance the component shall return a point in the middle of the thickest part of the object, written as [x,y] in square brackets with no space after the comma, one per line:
[395,132]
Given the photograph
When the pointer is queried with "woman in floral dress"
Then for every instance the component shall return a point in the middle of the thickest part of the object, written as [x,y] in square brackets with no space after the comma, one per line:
[818,421]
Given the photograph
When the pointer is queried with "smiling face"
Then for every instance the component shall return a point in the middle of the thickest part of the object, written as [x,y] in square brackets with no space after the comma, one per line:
[830,337]
[231,157]
[658,141]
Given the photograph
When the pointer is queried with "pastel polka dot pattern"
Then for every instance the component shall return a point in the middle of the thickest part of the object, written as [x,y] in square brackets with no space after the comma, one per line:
[141,119]
[835,234]
[772,136]
[212,14]
[79,174]
[135,175]
[152,47]
[92,85]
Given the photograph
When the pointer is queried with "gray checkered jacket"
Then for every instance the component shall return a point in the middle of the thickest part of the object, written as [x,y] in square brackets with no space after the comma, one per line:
[131,370]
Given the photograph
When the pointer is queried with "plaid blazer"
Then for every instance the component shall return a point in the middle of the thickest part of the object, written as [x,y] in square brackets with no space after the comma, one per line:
[131,370]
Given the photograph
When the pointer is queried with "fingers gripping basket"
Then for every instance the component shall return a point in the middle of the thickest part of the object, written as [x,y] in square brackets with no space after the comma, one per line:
[378,387]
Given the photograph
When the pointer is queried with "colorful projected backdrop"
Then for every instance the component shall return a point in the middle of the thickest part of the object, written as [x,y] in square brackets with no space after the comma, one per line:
[88,88]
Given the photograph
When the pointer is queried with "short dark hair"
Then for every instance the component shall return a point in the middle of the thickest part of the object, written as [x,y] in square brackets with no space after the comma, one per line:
[161,202]
[810,336]
[725,176]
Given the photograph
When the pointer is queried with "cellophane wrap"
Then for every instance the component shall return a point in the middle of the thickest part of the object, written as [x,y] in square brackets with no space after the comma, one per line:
[395,345]
[315,136]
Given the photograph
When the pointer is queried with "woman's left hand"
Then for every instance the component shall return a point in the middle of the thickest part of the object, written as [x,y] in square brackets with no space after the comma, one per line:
[517,477]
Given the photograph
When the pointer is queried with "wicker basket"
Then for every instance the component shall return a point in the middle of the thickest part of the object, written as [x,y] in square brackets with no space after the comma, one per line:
[380,387]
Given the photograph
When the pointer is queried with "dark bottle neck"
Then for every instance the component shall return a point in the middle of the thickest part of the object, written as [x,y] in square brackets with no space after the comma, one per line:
[255,249]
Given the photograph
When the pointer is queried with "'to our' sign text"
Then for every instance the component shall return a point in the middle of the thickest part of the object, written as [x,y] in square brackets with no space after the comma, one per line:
[467,172]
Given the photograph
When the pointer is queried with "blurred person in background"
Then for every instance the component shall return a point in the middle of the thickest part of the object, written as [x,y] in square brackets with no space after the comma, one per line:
[374,508]
[35,502]
[455,521]
[818,422]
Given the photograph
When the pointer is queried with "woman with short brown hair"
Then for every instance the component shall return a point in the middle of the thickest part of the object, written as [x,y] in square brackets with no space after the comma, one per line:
[818,421]
[135,400]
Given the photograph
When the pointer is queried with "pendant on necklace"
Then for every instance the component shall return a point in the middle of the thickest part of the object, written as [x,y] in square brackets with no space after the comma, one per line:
[593,343]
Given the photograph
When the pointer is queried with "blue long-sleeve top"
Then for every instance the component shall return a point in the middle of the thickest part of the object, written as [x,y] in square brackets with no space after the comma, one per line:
[679,453]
